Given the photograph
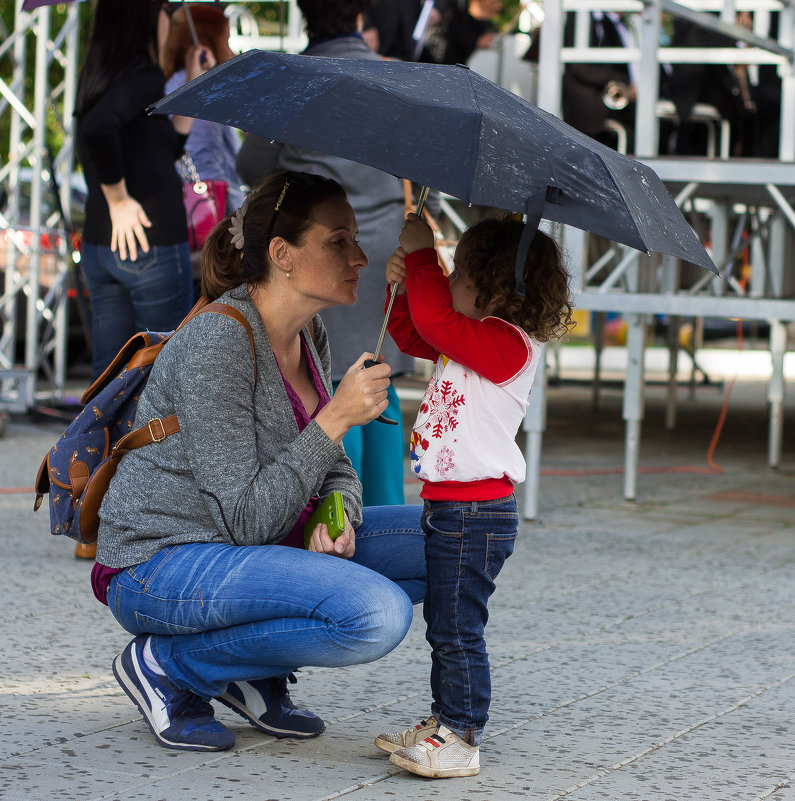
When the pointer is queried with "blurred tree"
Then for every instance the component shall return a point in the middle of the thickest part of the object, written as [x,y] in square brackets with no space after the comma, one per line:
[58,16]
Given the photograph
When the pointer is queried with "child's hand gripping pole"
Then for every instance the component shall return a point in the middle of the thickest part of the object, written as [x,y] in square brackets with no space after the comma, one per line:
[392,293]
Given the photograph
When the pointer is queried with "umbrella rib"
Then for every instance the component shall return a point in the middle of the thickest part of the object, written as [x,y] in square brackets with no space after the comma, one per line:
[479,138]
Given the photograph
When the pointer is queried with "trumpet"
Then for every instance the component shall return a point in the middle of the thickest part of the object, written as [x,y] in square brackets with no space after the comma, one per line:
[616,95]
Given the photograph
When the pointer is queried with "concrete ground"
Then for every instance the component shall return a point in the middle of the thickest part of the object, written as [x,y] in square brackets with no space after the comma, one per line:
[639,650]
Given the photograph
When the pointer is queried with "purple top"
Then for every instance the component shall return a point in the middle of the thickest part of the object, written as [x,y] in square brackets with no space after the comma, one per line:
[101,574]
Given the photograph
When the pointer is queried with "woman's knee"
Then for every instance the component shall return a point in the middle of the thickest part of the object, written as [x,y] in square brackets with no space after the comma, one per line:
[377,622]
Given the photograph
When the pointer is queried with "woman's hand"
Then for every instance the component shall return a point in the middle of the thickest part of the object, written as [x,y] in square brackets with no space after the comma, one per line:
[344,545]
[197,61]
[396,270]
[416,234]
[360,397]
[127,219]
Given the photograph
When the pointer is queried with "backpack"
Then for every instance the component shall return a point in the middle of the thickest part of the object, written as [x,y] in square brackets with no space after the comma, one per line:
[77,470]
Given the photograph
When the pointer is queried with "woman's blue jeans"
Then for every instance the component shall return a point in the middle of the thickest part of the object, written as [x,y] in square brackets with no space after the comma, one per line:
[222,613]
[466,546]
[152,293]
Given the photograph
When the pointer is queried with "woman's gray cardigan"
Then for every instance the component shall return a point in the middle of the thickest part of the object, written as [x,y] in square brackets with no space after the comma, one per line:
[238,471]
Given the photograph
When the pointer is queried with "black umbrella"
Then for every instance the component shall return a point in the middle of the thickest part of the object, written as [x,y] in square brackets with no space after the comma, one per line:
[448,128]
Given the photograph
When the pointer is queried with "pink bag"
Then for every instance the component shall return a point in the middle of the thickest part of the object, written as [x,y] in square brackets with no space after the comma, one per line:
[205,203]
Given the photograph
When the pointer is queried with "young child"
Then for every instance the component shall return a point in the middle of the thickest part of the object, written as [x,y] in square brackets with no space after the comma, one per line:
[483,337]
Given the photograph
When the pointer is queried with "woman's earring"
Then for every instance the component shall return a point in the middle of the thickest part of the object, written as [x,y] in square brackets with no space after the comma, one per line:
[288,274]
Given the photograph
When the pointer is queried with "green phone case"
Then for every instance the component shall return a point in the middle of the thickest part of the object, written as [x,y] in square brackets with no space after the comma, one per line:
[329,512]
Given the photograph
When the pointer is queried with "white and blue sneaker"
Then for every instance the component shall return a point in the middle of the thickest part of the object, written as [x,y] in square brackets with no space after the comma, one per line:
[178,718]
[266,705]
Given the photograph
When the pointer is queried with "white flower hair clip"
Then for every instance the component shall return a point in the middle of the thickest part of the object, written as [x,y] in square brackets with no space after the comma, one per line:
[236,227]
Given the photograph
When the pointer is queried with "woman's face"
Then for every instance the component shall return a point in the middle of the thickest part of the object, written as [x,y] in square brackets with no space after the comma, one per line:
[326,265]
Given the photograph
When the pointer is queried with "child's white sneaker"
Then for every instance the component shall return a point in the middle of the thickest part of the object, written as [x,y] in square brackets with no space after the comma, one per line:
[442,755]
[395,740]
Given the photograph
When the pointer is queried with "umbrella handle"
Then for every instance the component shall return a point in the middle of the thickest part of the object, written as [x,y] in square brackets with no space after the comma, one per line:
[381,418]
[393,289]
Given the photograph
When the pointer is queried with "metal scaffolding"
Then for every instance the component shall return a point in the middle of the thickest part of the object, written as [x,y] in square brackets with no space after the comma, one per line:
[734,203]
[36,251]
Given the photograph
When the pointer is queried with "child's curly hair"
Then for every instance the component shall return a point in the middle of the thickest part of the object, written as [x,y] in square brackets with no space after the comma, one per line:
[489,251]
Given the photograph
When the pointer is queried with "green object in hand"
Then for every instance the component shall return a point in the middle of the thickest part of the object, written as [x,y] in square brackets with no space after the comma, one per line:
[329,512]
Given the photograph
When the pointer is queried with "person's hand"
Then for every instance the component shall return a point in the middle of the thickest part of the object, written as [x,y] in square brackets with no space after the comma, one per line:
[416,234]
[360,397]
[486,40]
[197,61]
[396,270]
[128,220]
[371,38]
[344,545]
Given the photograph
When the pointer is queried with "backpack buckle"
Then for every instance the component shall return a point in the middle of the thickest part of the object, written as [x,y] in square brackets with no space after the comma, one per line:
[155,437]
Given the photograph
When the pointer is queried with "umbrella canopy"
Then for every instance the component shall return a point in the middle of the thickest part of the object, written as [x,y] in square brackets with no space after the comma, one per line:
[448,128]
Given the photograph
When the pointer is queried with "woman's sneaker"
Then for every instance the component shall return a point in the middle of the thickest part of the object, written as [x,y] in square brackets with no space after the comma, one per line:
[443,755]
[267,706]
[178,718]
[395,740]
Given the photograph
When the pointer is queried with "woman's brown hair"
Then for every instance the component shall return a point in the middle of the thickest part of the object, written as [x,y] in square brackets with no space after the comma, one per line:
[488,260]
[212,30]
[298,194]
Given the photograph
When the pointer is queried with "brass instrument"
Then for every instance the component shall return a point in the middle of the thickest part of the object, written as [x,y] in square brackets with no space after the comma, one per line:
[616,95]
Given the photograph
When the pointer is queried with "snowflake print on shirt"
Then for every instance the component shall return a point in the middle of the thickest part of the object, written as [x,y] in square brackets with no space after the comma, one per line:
[444,461]
[443,402]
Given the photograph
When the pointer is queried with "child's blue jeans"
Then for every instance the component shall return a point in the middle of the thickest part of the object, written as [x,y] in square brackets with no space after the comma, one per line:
[466,545]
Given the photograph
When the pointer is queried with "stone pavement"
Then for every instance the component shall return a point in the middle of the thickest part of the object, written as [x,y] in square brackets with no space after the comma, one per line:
[639,651]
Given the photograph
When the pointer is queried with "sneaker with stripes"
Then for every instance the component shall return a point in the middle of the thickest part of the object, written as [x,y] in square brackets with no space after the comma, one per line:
[395,740]
[443,755]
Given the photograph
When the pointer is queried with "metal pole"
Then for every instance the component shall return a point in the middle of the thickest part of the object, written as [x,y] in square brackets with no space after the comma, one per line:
[534,425]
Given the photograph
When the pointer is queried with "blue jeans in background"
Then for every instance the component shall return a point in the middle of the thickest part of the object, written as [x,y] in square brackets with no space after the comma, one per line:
[466,546]
[152,293]
[377,451]
[222,613]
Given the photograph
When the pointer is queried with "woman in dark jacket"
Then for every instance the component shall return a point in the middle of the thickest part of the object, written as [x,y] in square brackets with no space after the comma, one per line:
[135,253]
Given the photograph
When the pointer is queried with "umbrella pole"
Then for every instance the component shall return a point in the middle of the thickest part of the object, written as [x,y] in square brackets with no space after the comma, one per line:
[393,291]
[189,18]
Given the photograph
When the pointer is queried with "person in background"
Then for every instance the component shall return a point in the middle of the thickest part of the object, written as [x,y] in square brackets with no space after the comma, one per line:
[134,255]
[389,27]
[213,147]
[484,338]
[471,26]
[713,84]
[376,449]
[587,86]
[760,90]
